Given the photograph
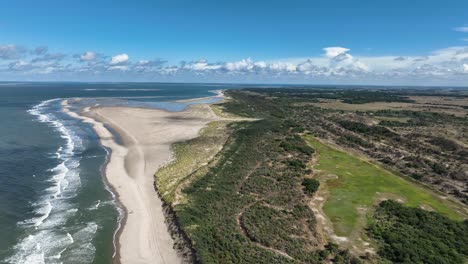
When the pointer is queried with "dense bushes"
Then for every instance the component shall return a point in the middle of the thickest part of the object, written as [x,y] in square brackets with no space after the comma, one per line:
[365,129]
[347,138]
[249,206]
[413,235]
[444,144]
[257,176]
[296,143]
[350,96]
[310,185]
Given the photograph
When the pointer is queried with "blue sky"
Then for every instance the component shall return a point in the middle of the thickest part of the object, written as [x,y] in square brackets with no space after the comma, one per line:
[380,42]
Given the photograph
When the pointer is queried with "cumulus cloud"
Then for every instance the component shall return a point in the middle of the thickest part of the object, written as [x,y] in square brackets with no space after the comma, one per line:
[242,65]
[336,64]
[332,52]
[11,52]
[88,56]
[119,59]
[308,67]
[341,62]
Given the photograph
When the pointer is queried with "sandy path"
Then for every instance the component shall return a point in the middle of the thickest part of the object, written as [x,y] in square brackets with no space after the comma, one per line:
[147,135]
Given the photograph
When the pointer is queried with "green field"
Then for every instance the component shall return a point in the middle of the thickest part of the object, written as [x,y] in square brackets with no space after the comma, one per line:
[356,186]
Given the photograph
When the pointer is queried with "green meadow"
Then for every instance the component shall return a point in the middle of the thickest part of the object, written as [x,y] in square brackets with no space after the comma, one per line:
[355,186]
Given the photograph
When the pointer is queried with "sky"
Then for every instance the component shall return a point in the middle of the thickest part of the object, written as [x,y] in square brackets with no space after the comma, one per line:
[312,42]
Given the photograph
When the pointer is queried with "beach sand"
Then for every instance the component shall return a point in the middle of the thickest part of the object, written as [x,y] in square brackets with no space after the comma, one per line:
[146,136]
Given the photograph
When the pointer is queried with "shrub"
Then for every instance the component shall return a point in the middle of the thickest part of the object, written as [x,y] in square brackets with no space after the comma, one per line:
[311,185]
[413,235]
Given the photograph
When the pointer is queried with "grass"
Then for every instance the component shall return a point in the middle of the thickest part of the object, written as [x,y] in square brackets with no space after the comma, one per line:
[190,156]
[360,184]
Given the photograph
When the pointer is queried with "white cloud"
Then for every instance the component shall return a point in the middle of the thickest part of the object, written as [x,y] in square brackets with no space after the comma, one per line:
[331,52]
[308,67]
[461,29]
[242,65]
[335,65]
[338,63]
[281,67]
[88,56]
[119,59]
[201,65]
[119,68]
[341,62]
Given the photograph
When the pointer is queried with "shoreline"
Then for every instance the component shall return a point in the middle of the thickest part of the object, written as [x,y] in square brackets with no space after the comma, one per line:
[122,210]
[146,226]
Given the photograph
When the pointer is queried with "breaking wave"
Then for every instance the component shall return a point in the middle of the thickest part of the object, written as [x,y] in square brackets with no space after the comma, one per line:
[48,238]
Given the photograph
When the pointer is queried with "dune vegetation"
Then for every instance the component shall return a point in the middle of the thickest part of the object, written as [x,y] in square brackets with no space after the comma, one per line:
[190,157]
[247,191]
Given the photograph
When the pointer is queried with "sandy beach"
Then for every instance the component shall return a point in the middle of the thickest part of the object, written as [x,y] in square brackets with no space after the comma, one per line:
[146,136]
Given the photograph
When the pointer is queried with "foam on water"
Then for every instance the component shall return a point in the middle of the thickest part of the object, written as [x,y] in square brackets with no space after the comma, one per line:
[47,236]
[45,211]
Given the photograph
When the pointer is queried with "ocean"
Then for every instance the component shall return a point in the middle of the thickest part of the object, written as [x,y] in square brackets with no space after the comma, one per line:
[55,206]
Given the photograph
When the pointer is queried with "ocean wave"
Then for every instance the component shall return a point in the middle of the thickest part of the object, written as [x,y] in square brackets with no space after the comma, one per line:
[47,237]
[45,211]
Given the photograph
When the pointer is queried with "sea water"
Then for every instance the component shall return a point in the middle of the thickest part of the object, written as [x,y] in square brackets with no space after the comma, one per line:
[55,206]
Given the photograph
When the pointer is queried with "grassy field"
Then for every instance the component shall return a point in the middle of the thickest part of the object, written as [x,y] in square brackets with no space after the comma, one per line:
[357,185]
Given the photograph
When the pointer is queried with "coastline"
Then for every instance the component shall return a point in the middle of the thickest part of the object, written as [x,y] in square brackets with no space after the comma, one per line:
[111,188]
[147,136]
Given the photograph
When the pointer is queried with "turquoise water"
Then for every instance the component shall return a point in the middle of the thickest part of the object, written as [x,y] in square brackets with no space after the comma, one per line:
[54,204]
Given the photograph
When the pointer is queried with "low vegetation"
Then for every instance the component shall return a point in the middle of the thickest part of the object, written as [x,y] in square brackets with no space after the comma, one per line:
[190,156]
[413,235]
[251,201]
[250,207]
